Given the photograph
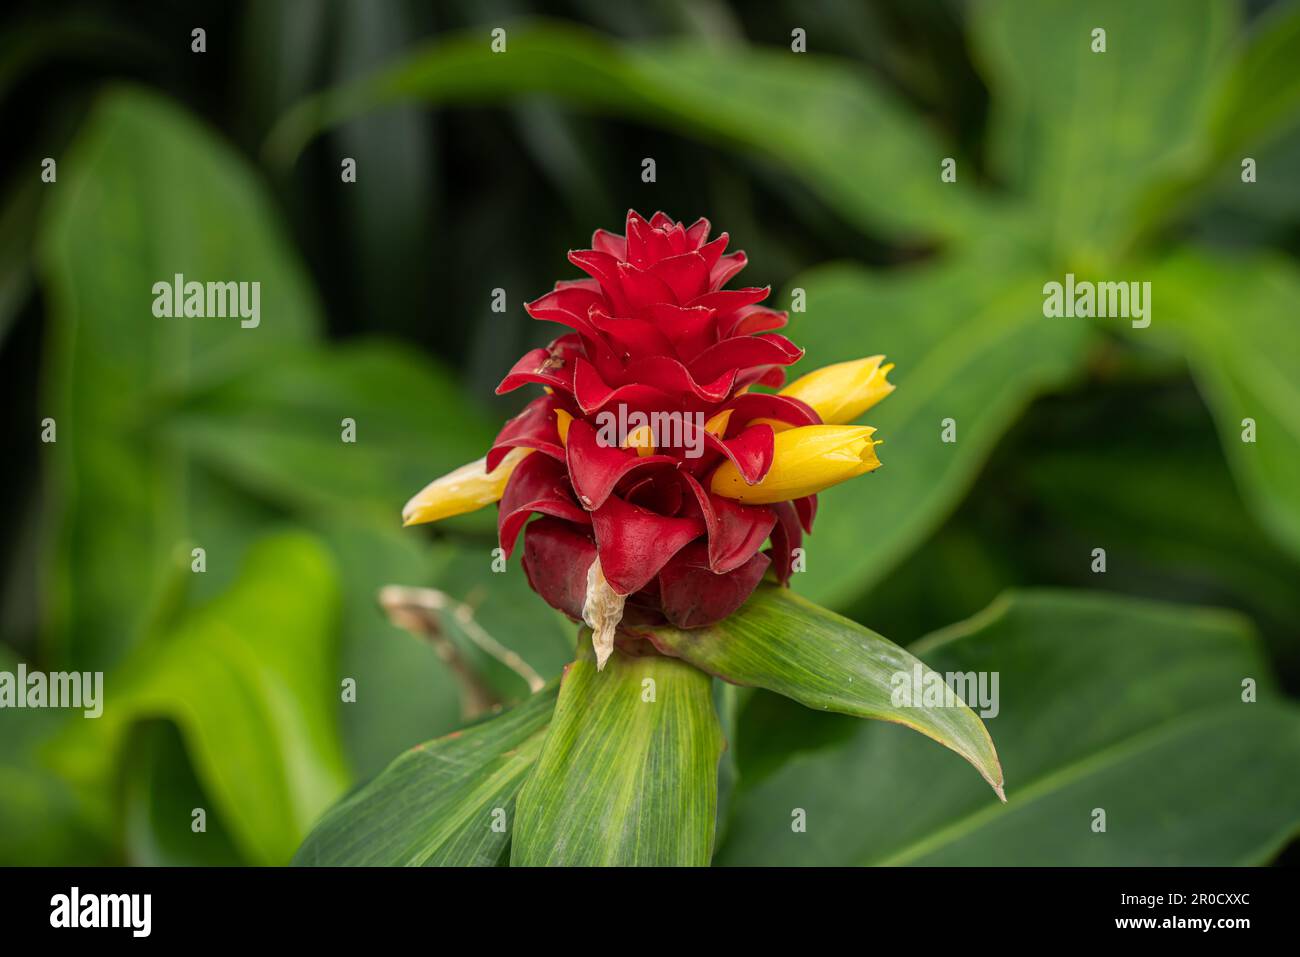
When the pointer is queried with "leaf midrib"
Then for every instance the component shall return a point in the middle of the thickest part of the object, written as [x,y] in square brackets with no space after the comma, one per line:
[514,767]
[1049,783]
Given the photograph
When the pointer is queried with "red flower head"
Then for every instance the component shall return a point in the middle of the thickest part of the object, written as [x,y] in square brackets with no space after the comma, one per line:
[648,457]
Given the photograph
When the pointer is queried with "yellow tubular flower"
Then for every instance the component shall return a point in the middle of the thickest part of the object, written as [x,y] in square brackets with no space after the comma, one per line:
[468,488]
[642,439]
[806,460]
[718,424]
[842,392]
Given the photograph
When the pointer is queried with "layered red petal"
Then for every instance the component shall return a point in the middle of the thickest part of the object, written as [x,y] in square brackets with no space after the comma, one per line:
[557,555]
[539,484]
[654,338]
[635,543]
[692,595]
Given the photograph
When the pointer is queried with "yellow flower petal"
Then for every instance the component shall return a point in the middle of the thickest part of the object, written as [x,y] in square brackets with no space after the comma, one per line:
[718,424]
[468,488]
[562,421]
[806,460]
[642,439]
[842,392]
[776,424]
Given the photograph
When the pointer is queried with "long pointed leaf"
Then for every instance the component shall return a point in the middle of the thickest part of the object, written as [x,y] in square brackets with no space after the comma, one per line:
[1235,319]
[1070,126]
[248,680]
[150,194]
[629,771]
[850,141]
[784,643]
[1132,707]
[1259,97]
[445,802]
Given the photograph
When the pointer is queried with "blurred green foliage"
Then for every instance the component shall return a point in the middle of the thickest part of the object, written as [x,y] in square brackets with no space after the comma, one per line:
[1161,755]
[478,171]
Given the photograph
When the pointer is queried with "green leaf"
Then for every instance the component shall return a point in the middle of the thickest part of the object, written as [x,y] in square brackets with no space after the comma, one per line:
[1260,95]
[175,433]
[1181,529]
[1128,706]
[629,771]
[1235,319]
[852,143]
[250,681]
[1086,135]
[280,439]
[405,694]
[42,820]
[281,435]
[160,795]
[728,699]
[446,802]
[971,344]
[784,643]
[148,193]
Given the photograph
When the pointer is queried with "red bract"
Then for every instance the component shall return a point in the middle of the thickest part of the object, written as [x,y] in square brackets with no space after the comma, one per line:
[652,330]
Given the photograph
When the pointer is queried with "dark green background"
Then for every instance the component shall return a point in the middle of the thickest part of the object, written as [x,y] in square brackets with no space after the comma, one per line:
[1074,434]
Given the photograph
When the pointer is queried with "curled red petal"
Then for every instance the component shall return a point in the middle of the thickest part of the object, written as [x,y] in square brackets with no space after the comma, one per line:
[612,244]
[595,468]
[677,239]
[735,532]
[634,543]
[673,377]
[691,329]
[772,376]
[653,381]
[533,428]
[751,451]
[744,352]
[726,268]
[660,238]
[753,319]
[592,392]
[557,555]
[697,233]
[807,509]
[632,337]
[640,238]
[686,275]
[587,283]
[538,484]
[642,288]
[712,252]
[692,596]
[762,405]
[786,537]
[603,268]
[571,305]
[659,490]
[568,305]
[727,301]
[540,366]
